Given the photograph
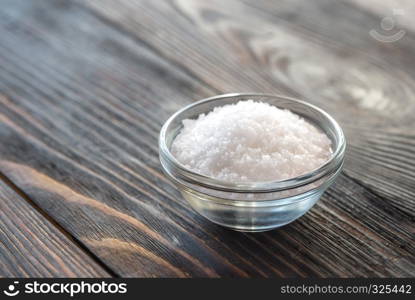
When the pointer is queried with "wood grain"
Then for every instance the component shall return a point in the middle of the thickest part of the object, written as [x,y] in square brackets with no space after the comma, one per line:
[86,86]
[30,246]
[367,85]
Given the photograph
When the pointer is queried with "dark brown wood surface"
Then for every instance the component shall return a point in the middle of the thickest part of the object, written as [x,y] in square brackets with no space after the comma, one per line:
[33,246]
[86,85]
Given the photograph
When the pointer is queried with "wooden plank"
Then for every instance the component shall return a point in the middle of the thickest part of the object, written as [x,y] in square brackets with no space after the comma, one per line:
[85,93]
[30,246]
[290,47]
[380,129]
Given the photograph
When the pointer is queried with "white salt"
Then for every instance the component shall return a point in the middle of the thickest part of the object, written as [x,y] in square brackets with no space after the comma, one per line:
[250,141]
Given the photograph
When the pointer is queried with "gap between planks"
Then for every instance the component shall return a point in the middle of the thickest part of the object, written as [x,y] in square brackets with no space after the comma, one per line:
[53,222]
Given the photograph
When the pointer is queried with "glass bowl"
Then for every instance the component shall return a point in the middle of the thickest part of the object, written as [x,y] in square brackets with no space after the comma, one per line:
[252,206]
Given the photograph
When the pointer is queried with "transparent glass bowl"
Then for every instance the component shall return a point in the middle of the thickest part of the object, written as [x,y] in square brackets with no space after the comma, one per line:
[254,206]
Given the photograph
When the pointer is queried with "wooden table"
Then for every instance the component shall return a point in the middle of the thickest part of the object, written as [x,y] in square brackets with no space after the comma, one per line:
[86,85]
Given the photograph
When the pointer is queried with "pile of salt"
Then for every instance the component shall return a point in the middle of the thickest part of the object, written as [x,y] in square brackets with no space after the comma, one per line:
[250,142]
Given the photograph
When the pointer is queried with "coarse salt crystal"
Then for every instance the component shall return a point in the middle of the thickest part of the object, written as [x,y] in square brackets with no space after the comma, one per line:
[251,142]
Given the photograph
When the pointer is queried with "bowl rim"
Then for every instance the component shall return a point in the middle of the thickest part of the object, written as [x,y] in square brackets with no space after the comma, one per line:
[178,171]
